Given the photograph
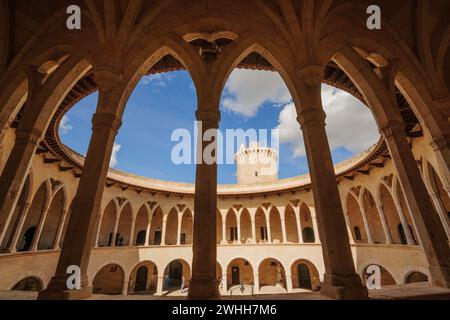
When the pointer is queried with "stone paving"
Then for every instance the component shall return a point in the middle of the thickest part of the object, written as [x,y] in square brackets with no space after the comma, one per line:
[416,291]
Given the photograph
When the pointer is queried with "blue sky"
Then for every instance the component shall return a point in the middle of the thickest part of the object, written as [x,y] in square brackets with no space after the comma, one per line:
[252,100]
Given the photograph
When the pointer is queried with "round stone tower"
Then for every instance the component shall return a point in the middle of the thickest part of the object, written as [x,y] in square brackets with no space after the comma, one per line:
[256,164]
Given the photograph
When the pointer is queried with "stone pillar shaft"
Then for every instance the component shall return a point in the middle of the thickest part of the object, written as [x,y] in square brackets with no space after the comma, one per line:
[204,284]
[430,230]
[86,204]
[341,280]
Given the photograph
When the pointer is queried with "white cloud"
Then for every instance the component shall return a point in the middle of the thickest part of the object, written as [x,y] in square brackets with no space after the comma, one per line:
[64,125]
[350,124]
[247,90]
[159,80]
[114,154]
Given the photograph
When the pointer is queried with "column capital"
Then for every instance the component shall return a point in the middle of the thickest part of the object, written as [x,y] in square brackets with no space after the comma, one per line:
[208,116]
[311,115]
[392,127]
[107,77]
[107,121]
[311,73]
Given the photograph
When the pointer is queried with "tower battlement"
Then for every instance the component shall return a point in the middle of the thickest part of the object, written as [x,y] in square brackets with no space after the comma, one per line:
[256,164]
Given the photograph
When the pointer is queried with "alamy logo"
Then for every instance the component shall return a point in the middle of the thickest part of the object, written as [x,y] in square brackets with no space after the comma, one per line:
[74,280]
[73,22]
[373,277]
[374,21]
[221,147]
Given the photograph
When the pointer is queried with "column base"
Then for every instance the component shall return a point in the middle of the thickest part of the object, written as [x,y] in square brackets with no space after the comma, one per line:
[347,287]
[200,289]
[57,290]
[81,294]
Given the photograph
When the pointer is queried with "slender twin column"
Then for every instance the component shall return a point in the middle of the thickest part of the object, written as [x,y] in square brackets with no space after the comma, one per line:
[204,284]
[341,280]
[384,223]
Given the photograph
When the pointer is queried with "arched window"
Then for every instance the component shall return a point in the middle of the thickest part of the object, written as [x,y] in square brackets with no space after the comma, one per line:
[140,239]
[308,235]
[357,233]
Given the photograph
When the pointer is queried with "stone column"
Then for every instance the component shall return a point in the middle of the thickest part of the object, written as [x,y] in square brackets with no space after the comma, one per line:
[252,212]
[387,233]
[404,222]
[366,223]
[238,219]
[442,211]
[40,227]
[77,245]
[125,288]
[225,283]
[97,230]
[204,283]
[59,232]
[340,280]
[133,226]
[180,217]
[289,288]
[159,286]
[430,230]
[349,228]
[269,231]
[282,212]
[299,226]
[147,233]
[116,230]
[164,231]
[224,228]
[256,283]
[12,245]
[312,210]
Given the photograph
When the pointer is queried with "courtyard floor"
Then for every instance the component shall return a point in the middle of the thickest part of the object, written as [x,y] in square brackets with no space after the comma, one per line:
[416,291]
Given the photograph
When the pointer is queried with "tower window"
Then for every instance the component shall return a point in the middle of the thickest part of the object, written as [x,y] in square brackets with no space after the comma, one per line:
[256,173]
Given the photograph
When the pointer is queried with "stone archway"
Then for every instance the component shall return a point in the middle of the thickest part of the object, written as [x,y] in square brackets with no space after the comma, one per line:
[143,278]
[292,235]
[29,284]
[156,226]
[386,278]
[391,214]
[177,276]
[276,232]
[122,237]
[261,226]
[356,220]
[305,275]
[307,224]
[272,276]
[52,221]
[415,277]
[107,225]
[373,217]
[172,227]
[140,227]
[109,280]
[187,223]
[240,277]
